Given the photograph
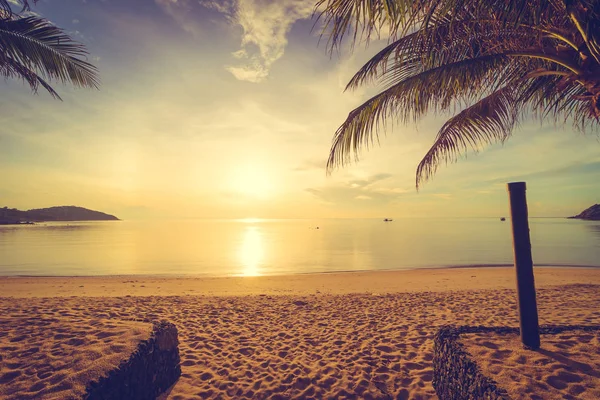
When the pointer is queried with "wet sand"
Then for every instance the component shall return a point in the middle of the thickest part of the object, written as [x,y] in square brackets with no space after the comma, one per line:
[411,281]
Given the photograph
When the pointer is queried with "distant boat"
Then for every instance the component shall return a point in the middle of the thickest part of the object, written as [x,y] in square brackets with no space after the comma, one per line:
[388,220]
[502,219]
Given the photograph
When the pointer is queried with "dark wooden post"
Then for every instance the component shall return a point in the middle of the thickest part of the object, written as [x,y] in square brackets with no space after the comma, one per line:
[528,316]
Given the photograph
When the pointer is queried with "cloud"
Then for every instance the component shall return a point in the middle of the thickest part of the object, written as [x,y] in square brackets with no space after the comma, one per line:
[265,24]
[395,190]
[358,189]
[192,16]
[363,183]
[311,164]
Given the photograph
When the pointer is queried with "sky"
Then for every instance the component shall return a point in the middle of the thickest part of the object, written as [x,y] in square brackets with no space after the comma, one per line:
[226,109]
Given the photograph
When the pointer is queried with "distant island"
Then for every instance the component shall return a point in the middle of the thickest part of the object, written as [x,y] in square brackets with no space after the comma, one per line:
[62,213]
[592,213]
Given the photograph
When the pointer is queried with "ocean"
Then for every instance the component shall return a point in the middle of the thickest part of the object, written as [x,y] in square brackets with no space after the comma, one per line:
[280,247]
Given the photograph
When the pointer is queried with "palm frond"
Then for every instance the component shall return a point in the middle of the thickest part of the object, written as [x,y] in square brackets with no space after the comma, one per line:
[414,96]
[449,42]
[490,120]
[11,69]
[585,15]
[413,48]
[343,17]
[6,8]
[494,60]
[40,46]
[361,19]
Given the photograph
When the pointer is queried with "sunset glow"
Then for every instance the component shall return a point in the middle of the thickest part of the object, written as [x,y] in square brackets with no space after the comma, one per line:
[303,199]
[252,181]
[251,252]
[216,111]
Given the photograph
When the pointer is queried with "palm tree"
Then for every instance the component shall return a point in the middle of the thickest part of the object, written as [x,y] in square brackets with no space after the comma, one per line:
[36,51]
[490,62]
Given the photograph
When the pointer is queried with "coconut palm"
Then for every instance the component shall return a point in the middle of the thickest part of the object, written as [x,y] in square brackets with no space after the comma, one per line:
[36,51]
[489,62]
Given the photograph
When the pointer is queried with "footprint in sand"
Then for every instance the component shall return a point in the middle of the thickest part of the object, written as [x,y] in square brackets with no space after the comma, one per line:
[384,348]
[9,376]
[18,338]
[44,374]
[75,342]
[102,335]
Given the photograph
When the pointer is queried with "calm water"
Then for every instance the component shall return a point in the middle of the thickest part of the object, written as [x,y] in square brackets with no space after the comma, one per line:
[271,247]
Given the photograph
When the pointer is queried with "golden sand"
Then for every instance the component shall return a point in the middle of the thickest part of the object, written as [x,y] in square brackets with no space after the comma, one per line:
[51,351]
[433,280]
[567,365]
[307,336]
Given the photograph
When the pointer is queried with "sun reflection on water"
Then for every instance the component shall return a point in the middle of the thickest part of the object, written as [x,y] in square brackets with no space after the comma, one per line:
[251,251]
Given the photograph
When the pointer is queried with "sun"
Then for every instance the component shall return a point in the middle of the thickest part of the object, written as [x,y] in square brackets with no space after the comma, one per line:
[252,180]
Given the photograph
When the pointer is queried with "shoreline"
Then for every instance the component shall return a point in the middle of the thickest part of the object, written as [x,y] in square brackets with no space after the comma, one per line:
[355,271]
[371,282]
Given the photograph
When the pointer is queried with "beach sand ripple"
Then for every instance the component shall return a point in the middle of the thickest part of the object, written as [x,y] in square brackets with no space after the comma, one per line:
[567,366]
[370,346]
[52,349]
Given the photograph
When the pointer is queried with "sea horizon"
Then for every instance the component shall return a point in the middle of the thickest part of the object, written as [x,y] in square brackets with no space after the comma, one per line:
[268,247]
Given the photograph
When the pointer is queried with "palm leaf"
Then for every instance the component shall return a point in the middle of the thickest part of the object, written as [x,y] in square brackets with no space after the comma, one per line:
[494,60]
[450,42]
[361,19]
[490,120]
[11,69]
[585,15]
[343,17]
[412,97]
[39,46]
[6,11]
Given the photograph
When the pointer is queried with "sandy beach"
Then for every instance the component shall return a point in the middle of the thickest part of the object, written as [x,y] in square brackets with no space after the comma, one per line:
[572,359]
[410,281]
[305,336]
[52,352]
